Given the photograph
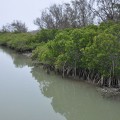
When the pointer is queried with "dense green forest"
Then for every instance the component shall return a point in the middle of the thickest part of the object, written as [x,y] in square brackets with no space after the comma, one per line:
[91,53]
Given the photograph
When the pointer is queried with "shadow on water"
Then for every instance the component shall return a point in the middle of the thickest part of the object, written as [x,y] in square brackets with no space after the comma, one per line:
[74,100]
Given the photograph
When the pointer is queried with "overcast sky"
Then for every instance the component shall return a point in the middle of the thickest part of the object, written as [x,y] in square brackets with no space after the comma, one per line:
[24,10]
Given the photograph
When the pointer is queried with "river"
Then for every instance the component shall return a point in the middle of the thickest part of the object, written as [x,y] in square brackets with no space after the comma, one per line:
[29,93]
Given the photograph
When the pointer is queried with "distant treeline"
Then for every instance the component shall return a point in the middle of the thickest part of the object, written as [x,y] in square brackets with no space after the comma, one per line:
[75,14]
[78,13]
[92,53]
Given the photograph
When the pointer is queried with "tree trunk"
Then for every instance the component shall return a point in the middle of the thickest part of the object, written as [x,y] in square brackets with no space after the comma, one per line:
[63,74]
[75,69]
[101,81]
[109,82]
[118,83]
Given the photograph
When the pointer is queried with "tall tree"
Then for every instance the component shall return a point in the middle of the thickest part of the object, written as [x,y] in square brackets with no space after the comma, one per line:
[15,26]
[68,15]
[18,26]
[6,28]
[106,9]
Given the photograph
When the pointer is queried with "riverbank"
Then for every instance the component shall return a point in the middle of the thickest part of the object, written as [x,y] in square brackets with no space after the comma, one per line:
[104,91]
[109,92]
[27,54]
[90,53]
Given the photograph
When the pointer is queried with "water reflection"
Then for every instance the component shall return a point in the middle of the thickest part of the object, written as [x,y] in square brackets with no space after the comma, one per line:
[75,100]
[67,99]
[19,60]
[72,99]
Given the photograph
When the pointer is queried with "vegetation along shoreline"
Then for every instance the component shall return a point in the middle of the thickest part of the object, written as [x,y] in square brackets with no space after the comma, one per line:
[73,46]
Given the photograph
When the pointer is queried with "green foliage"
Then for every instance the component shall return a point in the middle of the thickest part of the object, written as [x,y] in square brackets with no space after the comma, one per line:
[102,53]
[95,48]
[19,41]
[45,35]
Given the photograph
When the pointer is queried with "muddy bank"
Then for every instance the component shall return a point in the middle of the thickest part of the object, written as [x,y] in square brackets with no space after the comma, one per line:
[112,93]
[27,54]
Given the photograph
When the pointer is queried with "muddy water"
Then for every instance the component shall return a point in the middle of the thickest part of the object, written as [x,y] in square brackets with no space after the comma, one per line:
[28,93]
